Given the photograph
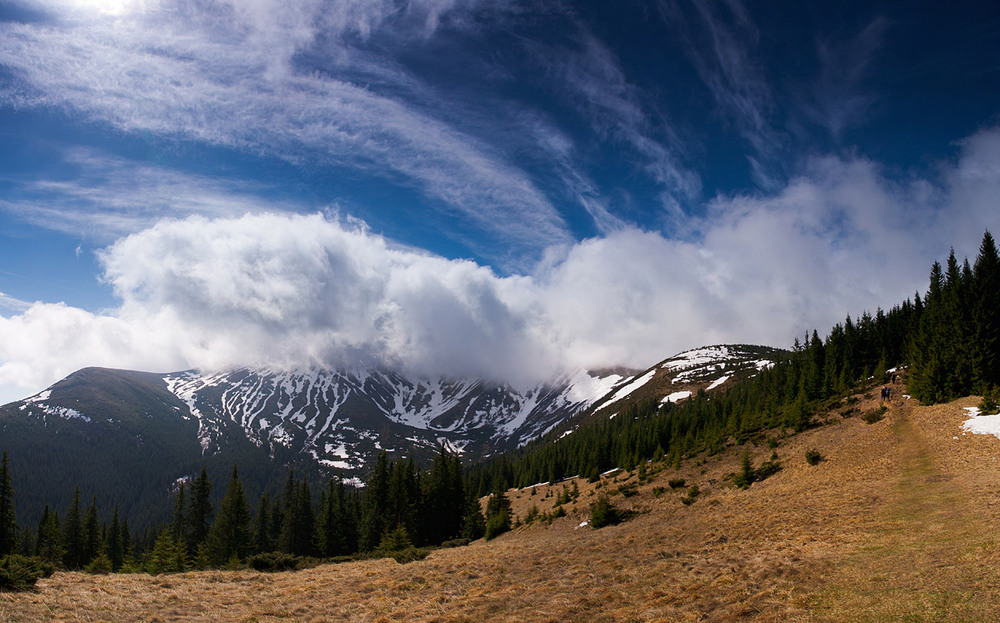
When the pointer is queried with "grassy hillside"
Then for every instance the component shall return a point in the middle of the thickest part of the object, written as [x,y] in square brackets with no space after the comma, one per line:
[894,523]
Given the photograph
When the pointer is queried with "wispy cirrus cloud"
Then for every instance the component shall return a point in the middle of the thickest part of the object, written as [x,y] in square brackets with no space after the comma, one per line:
[837,98]
[235,84]
[720,40]
[593,82]
[110,197]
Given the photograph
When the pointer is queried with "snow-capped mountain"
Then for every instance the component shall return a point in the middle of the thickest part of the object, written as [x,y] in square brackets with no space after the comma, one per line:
[130,437]
[342,418]
[683,375]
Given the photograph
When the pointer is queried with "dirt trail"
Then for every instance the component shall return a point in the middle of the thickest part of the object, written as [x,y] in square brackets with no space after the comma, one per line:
[935,558]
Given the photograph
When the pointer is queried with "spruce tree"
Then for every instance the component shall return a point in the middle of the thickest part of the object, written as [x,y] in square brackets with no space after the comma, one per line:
[199,514]
[113,543]
[474,526]
[48,544]
[91,534]
[986,279]
[498,513]
[229,536]
[179,525]
[73,535]
[8,522]
[263,537]
[374,505]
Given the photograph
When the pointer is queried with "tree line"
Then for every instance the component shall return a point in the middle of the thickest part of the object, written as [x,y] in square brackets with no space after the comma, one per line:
[949,338]
[402,506]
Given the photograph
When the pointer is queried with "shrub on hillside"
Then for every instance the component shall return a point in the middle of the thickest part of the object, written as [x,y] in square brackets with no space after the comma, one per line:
[271,562]
[747,474]
[604,513]
[691,496]
[676,483]
[989,404]
[497,524]
[19,573]
[768,467]
[813,457]
[874,415]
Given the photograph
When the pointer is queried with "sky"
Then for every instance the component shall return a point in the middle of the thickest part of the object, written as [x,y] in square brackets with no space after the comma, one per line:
[471,187]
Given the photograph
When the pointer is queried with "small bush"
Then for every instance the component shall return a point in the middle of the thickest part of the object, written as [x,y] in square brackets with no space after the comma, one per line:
[747,474]
[272,562]
[989,404]
[874,415]
[19,573]
[410,554]
[676,483]
[768,468]
[813,457]
[628,490]
[497,524]
[691,496]
[456,543]
[532,514]
[658,491]
[604,513]
[557,512]
[99,566]
[851,412]
[395,540]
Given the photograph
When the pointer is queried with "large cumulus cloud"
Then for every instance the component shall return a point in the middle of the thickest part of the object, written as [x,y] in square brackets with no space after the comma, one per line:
[293,290]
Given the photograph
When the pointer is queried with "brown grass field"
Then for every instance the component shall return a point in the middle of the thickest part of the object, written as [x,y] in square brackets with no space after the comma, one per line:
[897,523]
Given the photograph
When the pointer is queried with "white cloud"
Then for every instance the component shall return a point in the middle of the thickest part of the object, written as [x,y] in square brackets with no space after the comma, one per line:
[294,290]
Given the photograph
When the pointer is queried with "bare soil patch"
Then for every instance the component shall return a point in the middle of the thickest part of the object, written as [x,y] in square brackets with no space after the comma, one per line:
[894,524]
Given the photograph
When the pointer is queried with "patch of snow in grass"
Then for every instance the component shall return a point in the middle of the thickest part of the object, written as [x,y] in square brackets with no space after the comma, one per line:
[981,424]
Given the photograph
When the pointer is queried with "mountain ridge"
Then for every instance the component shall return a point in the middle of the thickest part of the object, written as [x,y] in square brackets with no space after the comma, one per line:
[317,421]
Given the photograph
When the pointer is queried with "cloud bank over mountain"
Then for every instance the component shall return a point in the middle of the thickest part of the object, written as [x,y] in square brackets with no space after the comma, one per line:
[291,290]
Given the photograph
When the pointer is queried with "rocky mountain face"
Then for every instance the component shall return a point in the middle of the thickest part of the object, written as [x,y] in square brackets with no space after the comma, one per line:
[130,437]
[342,419]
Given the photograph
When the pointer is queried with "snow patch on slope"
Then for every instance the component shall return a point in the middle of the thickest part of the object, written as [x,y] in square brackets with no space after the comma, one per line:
[629,387]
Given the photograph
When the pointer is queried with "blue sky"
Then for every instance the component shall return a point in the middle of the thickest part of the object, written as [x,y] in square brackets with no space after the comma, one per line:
[461,186]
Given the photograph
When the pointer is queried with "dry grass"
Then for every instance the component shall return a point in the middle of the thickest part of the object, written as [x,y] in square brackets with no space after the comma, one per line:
[893,524]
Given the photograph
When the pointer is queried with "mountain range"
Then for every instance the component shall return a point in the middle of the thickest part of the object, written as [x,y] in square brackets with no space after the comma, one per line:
[130,437]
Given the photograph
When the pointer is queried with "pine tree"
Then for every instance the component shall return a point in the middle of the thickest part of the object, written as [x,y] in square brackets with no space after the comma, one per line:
[48,545]
[229,536]
[498,513]
[91,534]
[374,506]
[113,543]
[263,537]
[199,514]
[986,279]
[73,535]
[333,520]
[180,519]
[8,522]
[474,526]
